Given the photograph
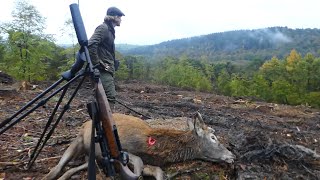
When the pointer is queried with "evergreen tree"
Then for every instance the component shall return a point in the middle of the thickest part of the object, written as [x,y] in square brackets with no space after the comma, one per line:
[259,87]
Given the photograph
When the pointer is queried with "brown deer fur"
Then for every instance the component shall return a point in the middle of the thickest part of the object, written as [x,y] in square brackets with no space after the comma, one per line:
[170,145]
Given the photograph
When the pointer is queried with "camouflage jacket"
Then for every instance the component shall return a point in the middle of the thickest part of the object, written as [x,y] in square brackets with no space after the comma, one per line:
[101,46]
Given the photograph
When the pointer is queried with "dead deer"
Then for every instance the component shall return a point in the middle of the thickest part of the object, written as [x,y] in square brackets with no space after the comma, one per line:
[156,147]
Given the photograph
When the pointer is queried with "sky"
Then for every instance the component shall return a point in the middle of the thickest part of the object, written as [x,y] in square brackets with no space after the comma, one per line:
[148,22]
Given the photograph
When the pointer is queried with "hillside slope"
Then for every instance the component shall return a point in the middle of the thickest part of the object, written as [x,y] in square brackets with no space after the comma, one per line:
[236,45]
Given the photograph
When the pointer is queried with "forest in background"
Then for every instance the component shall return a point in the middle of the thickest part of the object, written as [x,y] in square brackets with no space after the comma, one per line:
[291,77]
[234,45]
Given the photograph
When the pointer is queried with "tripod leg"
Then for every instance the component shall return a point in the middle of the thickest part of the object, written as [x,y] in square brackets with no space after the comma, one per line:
[41,103]
[47,125]
[66,107]
[2,124]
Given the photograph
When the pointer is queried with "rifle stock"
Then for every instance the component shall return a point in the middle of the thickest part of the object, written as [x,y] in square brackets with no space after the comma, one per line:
[111,133]
[106,119]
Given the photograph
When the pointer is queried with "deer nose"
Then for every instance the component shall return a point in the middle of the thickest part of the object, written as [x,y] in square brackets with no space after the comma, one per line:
[229,158]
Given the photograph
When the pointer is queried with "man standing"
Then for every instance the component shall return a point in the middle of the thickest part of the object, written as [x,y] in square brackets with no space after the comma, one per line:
[102,51]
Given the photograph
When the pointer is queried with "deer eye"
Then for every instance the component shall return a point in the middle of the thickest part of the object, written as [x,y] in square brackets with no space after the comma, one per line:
[213,137]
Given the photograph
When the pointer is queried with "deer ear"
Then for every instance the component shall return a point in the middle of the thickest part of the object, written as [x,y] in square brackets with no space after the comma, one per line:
[198,124]
[199,117]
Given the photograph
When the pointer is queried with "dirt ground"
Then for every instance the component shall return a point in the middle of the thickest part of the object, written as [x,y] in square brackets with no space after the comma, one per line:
[271,141]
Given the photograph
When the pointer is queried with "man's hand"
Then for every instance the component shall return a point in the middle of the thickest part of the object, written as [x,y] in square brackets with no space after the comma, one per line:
[104,66]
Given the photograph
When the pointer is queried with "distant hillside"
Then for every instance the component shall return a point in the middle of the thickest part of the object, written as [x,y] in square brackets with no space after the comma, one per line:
[125,47]
[65,45]
[236,45]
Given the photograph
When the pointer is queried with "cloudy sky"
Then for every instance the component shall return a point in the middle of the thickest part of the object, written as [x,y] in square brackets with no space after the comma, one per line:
[153,21]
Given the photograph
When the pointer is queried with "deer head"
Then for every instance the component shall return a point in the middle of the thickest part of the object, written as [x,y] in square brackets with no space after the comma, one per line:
[210,148]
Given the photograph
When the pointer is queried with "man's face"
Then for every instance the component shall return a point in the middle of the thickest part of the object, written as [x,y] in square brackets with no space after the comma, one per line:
[117,20]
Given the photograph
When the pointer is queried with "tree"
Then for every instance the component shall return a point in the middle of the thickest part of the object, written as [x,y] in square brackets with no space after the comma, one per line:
[29,47]
[238,86]
[259,87]
[223,82]
[181,73]
[315,75]
[280,90]
[207,68]
[123,71]
[292,59]
[68,30]
[2,49]
[272,70]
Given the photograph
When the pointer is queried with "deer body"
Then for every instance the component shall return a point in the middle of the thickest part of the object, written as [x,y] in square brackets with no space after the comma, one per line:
[156,147]
[169,145]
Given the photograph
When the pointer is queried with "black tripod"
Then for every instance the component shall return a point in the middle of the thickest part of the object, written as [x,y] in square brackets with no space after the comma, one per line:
[110,163]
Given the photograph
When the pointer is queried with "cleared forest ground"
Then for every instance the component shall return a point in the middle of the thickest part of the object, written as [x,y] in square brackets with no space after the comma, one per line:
[271,141]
